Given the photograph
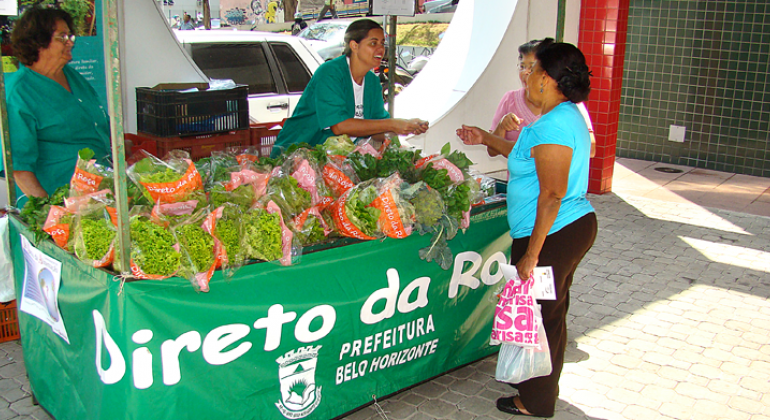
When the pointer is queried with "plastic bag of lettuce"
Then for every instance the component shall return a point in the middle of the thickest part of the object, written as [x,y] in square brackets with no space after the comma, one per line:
[197,248]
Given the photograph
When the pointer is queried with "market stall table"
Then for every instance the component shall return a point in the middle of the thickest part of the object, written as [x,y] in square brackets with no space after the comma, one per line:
[313,340]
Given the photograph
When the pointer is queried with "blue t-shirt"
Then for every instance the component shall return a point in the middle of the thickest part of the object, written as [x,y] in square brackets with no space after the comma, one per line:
[564,125]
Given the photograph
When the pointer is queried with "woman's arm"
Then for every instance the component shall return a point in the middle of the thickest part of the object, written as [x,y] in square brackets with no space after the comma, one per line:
[495,145]
[509,122]
[355,127]
[552,162]
[29,184]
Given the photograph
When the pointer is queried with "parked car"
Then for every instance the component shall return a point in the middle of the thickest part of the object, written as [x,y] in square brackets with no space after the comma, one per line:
[440,6]
[326,37]
[275,67]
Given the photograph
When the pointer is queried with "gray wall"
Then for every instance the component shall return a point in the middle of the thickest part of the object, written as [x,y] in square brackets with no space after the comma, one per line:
[702,65]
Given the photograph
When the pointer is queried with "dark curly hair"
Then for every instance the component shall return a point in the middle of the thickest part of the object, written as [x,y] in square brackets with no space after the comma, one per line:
[565,64]
[34,30]
[357,31]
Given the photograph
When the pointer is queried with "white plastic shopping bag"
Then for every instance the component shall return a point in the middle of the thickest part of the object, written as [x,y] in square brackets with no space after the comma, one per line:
[518,326]
[516,364]
[7,289]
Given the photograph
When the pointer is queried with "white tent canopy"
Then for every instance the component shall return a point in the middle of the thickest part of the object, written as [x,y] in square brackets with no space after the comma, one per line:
[473,67]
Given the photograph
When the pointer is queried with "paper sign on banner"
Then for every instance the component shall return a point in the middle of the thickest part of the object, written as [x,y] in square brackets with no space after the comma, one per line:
[40,294]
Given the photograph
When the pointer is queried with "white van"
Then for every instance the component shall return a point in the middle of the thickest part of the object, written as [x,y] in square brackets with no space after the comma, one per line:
[275,67]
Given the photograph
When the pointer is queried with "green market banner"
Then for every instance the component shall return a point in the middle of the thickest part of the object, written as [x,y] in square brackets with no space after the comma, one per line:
[314,340]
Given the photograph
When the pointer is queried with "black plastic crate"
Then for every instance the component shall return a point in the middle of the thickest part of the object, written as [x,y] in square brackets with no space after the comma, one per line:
[171,113]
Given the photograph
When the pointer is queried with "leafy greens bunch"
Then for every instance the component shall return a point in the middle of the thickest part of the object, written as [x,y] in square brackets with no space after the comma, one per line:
[228,230]
[152,248]
[359,211]
[94,238]
[198,246]
[262,235]
[285,191]
[35,210]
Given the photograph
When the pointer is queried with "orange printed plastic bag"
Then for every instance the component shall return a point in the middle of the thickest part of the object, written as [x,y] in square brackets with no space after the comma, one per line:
[58,226]
[168,182]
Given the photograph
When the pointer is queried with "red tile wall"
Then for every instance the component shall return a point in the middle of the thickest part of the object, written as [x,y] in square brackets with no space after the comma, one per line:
[602,39]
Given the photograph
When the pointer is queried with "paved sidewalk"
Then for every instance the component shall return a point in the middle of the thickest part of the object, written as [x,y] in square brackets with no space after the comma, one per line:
[670,319]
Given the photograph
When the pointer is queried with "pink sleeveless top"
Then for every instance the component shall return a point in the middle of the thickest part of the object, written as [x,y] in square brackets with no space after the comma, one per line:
[515,102]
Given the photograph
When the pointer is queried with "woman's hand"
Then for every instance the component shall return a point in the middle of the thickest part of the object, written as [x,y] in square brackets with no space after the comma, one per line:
[412,126]
[510,122]
[526,266]
[471,135]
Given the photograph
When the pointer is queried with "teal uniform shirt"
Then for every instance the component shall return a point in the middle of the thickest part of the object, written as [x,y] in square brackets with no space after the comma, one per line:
[328,100]
[565,126]
[49,125]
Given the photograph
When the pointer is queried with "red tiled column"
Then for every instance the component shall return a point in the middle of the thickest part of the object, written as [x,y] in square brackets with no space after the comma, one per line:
[602,38]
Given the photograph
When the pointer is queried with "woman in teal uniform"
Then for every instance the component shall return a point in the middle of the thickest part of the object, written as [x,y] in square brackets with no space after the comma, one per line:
[345,97]
[52,110]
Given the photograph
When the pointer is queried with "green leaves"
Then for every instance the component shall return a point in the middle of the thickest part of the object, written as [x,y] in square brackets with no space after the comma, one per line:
[339,145]
[153,248]
[365,165]
[439,250]
[446,149]
[35,211]
[262,235]
[428,206]
[401,161]
[97,236]
[228,230]
[459,159]
[312,232]
[288,195]
[436,178]
[357,210]
[243,196]
[198,245]
[86,154]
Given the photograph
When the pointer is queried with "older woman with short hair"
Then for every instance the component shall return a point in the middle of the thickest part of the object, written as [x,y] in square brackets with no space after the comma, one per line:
[552,223]
[53,111]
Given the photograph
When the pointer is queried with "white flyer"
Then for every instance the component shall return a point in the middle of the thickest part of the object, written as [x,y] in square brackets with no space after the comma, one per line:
[393,7]
[40,293]
[544,288]
[9,7]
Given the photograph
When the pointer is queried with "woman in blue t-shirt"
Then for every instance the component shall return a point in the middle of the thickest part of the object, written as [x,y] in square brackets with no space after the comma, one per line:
[552,223]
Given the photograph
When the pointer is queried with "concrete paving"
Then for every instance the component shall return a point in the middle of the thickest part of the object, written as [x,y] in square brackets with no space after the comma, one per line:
[669,319]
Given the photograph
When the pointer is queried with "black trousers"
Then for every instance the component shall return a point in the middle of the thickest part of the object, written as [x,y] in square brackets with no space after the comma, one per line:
[563,251]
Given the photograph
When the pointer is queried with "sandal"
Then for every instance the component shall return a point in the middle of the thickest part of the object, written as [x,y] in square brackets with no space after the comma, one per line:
[507,405]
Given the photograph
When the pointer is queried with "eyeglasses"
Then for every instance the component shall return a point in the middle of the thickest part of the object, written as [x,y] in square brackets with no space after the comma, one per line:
[526,67]
[63,38]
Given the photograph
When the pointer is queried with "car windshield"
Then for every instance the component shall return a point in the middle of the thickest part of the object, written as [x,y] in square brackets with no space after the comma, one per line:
[322,32]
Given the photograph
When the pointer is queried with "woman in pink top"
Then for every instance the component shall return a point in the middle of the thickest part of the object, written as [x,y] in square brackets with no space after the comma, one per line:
[515,109]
